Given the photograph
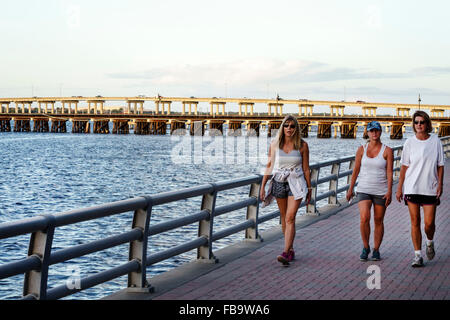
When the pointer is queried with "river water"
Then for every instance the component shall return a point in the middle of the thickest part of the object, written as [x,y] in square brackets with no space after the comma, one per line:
[44,173]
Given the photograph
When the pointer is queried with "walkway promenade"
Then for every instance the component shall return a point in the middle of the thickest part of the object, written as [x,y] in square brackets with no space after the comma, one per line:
[327,263]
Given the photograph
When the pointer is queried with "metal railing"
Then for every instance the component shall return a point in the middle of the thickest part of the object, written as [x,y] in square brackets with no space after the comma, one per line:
[42,228]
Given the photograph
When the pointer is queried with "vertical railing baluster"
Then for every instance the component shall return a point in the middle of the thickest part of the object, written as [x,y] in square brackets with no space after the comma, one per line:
[137,281]
[35,284]
[332,199]
[397,164]
[205,227]
[311,208]
[252,212]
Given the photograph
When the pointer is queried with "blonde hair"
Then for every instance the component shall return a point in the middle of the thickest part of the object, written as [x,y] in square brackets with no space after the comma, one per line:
[280,138]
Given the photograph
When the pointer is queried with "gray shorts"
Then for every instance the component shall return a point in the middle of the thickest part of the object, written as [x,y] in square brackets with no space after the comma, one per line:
[374,198]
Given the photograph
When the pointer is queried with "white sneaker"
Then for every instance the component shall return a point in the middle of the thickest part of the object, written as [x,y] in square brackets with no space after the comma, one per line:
[417,262]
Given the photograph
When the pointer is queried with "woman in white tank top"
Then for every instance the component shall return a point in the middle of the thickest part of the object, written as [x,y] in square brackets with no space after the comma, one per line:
[290,183]
[373,168]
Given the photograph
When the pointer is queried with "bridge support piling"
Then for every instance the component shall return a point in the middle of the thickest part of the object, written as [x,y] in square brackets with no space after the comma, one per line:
[197,128]
[40,125]
[253,128]
[5,125]
[120,127]
[22,125]
[178,128]
[101,126]
[235,128]
[397,130]
[215,127]
[348,130]
[59,126]
[324,130]
[273,128]
[303,128]
[81,126]
[444,129]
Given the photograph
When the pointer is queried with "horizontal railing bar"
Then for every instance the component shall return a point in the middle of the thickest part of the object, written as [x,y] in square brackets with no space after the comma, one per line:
[342,189]
[100,211]
[234,229]
[166,197]
[325,195]
[235,206]
[91,281]
[268,217]
[19,267]
[94,246]
[327,178]
[24,226]
[345,173]
[176,223]
[236,183]
[327,163]
[174,251]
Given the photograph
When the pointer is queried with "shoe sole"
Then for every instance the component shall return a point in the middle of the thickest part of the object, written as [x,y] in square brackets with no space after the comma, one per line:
[363,260]
[283,260]
[376,259]
[417,265]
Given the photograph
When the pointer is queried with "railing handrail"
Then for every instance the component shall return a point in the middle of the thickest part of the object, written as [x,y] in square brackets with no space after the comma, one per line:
[40,255]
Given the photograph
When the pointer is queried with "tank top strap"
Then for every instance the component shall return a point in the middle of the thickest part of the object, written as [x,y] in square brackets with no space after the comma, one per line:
[383,147]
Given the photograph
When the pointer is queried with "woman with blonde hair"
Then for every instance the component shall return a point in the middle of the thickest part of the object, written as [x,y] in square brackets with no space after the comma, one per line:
[290,182]
[421,182]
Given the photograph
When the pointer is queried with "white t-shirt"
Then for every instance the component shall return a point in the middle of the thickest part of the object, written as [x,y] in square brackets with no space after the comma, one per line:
[422,157]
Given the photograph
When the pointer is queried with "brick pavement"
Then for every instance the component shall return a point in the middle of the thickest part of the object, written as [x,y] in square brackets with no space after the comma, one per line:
[327,265]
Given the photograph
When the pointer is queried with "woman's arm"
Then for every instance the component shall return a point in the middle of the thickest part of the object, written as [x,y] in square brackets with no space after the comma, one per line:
[306,170]
[355,172]
[440,171]
[267,172]
[401,180]
[389,174]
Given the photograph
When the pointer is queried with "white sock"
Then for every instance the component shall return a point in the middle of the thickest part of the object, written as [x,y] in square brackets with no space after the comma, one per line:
[429,242]
[418,253]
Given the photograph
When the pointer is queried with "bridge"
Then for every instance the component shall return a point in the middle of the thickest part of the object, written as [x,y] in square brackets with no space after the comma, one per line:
[328,245]
[39,111]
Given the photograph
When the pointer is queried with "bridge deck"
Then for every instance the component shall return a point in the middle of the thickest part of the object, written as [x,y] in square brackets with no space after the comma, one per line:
[327,264]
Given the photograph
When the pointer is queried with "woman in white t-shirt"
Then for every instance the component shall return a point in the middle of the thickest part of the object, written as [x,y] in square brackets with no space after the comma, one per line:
[373,168]
[421,181]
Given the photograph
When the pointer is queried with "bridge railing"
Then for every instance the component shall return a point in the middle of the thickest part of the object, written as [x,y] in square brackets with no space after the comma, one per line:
[42,229]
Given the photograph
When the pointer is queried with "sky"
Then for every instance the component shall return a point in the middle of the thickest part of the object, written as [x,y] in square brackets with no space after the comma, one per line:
[370,50]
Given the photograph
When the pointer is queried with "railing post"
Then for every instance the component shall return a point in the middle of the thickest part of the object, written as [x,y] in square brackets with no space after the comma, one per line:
[311,208]
[137,281]
[397,163]
[205,227]
[35,284]
[253,211]
[332,199]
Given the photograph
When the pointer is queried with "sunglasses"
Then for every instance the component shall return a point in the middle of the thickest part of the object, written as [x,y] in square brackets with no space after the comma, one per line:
[292,126]
[419,122]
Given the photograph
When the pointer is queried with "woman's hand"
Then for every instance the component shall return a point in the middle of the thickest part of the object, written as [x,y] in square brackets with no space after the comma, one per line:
[262,194]
[349,194]
[388,198]
[399,195]
[308,196]
[439,191]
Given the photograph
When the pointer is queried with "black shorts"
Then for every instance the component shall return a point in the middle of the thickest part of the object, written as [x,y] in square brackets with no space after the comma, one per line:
[421,199]
[281,189]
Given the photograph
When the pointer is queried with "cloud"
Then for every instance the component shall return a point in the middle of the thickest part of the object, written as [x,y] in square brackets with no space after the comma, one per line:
[252,71]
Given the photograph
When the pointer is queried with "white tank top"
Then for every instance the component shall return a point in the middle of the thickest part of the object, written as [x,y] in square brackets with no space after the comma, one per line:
[289,160]
[372,177]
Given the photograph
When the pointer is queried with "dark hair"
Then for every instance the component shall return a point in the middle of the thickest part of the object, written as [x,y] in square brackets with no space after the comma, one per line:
[426,117]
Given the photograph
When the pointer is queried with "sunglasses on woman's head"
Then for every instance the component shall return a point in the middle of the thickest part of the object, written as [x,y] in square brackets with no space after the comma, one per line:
[419,122]
[292,126]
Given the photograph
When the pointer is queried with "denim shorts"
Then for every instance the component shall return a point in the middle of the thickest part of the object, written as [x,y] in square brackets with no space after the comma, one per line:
[374,198]
[281,189]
